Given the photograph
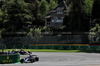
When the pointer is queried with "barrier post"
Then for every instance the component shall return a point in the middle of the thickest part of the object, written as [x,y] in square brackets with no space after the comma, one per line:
[79,48]
[89,48]
[70,48]
[13,47]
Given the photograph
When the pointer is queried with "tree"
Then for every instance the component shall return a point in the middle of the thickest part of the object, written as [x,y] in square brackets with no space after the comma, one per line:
[87,8]
[1,3]
[59,1]
[1,24]
[68,2]
[94,35]
[74,15]
[16,15]
[34,8]
[43,10]
[52,4]
[48,1]
[87,11]
[79,12]
[43,7]
[96,11]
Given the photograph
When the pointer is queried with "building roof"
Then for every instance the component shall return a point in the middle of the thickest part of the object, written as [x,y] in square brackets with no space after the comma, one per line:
[52,11]
[48,16]
[61,6]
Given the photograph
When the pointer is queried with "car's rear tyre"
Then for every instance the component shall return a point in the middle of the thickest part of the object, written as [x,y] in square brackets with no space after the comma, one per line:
[29,52]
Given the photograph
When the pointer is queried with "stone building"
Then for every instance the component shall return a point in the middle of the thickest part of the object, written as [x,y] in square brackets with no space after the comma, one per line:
[55,19]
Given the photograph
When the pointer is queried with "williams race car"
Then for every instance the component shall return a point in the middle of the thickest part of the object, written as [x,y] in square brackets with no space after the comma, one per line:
[31,58]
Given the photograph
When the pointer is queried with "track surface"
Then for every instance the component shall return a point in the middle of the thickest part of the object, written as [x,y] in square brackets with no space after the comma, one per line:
[62,59]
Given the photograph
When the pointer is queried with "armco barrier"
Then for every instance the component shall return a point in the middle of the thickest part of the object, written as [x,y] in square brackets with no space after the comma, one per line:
[65,47]
[56,46]
[32,47]
[11,58]
[48,47]
[17,46]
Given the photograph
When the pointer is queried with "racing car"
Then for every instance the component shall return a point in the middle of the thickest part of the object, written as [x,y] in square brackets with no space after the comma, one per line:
[22,52]
[31,58]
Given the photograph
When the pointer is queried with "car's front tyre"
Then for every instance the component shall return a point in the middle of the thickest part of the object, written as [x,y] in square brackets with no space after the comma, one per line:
[22,60]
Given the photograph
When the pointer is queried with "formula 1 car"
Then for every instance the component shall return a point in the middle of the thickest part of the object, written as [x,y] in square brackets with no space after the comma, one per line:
[22,52]
[31,58]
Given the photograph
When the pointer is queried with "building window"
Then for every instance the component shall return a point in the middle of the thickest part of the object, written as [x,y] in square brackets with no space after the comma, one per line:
[59,12]
[59,20]
[56,20]
[53,20]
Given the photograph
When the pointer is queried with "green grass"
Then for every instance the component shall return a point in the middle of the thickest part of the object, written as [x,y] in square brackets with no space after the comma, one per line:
[50,50]
[54,50]
[45,50]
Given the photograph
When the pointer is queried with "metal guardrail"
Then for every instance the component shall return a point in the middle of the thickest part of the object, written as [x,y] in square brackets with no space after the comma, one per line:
[55,46]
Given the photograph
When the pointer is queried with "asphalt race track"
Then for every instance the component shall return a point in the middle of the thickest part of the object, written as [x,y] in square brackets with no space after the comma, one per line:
[62,59]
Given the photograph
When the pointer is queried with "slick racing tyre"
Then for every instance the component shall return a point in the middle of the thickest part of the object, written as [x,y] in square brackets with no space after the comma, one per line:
[29,52]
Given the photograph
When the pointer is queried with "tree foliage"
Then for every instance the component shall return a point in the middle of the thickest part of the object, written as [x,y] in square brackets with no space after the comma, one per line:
[78,15]
[1,24]
[94,35]
[43,11]
[96,11]
[43,7]
[87,8]
[34,7]
[52,4]
[16,15]
[1,3]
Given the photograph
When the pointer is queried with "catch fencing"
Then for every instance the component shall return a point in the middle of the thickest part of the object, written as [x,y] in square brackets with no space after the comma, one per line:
[64,39]
[68,42]
[55,46]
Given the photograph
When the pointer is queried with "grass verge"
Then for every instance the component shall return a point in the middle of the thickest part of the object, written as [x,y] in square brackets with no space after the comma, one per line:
[54,50]
[50,50]
[45,50]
